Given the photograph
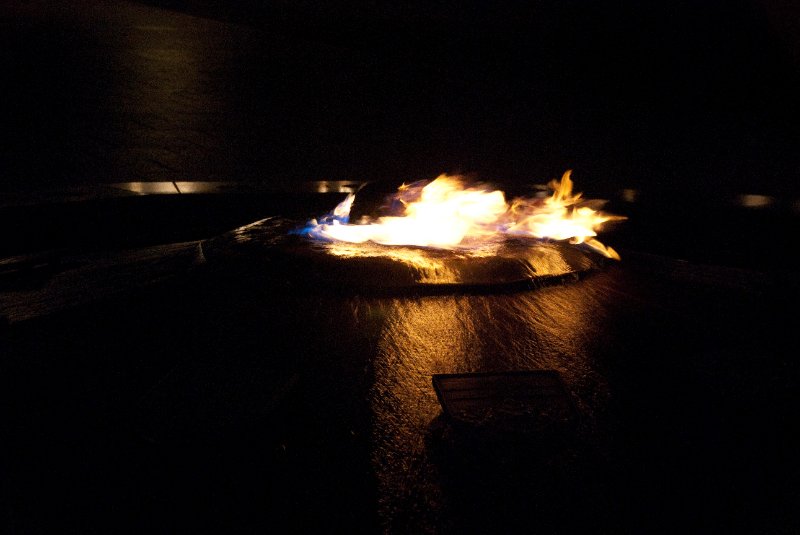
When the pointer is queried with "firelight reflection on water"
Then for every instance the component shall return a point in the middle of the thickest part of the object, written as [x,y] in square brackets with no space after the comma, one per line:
[491,265]
[551,328]
[388,345]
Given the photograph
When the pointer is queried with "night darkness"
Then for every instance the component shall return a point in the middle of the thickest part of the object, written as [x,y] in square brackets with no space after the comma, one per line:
[164,368]
[664,96]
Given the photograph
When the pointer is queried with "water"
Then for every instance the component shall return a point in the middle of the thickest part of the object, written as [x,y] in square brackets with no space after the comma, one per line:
[224,398]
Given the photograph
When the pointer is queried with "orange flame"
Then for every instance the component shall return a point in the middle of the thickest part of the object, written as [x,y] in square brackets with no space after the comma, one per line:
[446,214]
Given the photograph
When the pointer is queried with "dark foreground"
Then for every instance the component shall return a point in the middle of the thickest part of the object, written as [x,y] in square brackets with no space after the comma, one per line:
[217,395]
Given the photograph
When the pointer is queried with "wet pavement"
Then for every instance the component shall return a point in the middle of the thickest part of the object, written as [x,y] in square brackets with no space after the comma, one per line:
[224,394]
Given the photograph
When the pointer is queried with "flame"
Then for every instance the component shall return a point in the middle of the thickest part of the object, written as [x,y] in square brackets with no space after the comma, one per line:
[447,214]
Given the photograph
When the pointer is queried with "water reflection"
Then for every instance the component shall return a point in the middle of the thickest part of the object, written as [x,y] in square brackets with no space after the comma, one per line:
[629,195]
[336,186]
[556,328]
[166,187]
[755,201]
[149,188]
[502,263]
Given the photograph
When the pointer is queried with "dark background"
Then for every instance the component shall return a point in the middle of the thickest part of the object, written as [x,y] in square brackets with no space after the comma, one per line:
[695,98]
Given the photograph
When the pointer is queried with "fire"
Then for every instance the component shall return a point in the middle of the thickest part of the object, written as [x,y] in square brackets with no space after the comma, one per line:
[448,214]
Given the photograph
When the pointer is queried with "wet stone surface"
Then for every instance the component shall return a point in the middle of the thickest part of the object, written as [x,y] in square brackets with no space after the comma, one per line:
[289,256]
[221,401]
